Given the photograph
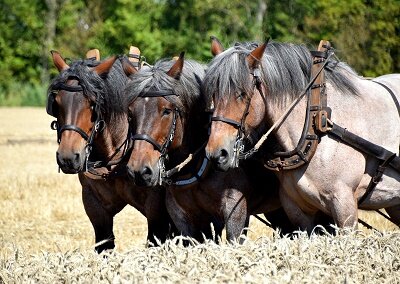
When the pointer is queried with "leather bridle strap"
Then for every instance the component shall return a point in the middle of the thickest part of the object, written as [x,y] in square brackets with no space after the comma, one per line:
[74,128]
[147,138]
[69,88]
[152,94]
[229,121]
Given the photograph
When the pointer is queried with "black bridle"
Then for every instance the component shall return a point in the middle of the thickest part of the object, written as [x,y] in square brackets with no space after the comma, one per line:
[163,149]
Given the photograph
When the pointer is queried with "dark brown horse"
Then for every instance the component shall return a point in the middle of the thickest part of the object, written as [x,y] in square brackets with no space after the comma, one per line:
[168,117]
[93,134]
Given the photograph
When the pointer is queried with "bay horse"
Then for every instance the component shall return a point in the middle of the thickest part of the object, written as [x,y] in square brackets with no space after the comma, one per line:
[355,124]
[169,119]
[93,134]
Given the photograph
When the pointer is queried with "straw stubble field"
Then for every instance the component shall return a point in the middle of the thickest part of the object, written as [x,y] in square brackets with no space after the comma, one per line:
[45,235]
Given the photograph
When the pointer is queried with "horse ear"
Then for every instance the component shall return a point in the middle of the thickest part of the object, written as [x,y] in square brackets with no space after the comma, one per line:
[216,46]
[93,54]
[128,67]
[104,67]
[254,58]
[176,69]
[58,61]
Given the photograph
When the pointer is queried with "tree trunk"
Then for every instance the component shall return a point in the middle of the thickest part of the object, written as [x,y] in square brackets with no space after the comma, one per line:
[260,15]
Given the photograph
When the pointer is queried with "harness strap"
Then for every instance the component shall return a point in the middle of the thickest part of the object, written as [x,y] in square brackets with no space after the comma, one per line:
[152,94]
[316,119]
[376,178]
[69,88]
[365,146]
[396,102]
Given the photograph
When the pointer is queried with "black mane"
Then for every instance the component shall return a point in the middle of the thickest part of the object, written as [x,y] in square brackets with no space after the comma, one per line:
[107,91]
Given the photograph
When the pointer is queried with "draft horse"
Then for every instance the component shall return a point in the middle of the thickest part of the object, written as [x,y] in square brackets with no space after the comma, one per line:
[168,117]
[336,134]
[86,98]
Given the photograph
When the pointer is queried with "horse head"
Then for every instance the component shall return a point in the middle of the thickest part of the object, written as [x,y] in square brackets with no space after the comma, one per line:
[76,108]
[235,90]
[160,98]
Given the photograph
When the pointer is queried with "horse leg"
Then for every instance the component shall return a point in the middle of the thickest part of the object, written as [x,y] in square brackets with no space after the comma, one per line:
[280,221]
[394,213]
[236,218]
[102,220]
[159,227]
[159,223]
[343,208]
[300,219]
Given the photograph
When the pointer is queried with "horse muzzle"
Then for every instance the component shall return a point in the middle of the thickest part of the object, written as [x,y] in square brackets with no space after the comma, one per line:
[221,158]
[71,163]
[144,176]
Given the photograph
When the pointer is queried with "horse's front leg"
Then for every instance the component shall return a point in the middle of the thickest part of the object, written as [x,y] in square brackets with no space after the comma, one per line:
[394,213]
[159,227]
[236,217]
[300,219]
[343,207]
[102,221]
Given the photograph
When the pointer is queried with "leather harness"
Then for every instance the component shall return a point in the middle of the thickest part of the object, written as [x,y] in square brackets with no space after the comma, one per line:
[317,124]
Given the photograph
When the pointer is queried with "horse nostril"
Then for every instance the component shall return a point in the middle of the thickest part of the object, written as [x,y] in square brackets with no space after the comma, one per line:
[77,157]
[223,156]
[146,172]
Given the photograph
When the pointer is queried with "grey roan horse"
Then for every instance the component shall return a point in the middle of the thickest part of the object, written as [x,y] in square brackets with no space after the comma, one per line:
[252,85]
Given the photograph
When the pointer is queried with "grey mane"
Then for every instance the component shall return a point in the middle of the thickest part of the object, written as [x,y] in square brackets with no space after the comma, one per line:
[155,78]
[285,69]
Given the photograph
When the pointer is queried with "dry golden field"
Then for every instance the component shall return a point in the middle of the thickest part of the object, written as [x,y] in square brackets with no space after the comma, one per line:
[45,236]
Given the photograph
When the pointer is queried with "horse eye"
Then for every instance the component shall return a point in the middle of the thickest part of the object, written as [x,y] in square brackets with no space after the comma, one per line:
[166,111]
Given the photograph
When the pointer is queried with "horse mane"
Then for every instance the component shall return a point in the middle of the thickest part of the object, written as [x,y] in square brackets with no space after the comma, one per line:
[155,78]
[285,69]
[189,97]
[106,89]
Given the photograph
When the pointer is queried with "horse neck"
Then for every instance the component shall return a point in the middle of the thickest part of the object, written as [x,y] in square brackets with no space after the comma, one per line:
[193,138]
[113,136]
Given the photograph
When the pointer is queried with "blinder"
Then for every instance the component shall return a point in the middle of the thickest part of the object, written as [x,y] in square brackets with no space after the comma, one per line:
[51,108]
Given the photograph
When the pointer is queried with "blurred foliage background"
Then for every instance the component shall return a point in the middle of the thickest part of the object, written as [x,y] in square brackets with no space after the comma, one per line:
[365,33]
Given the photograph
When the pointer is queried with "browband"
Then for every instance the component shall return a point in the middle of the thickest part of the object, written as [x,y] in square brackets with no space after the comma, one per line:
[157,94]
[65,87]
